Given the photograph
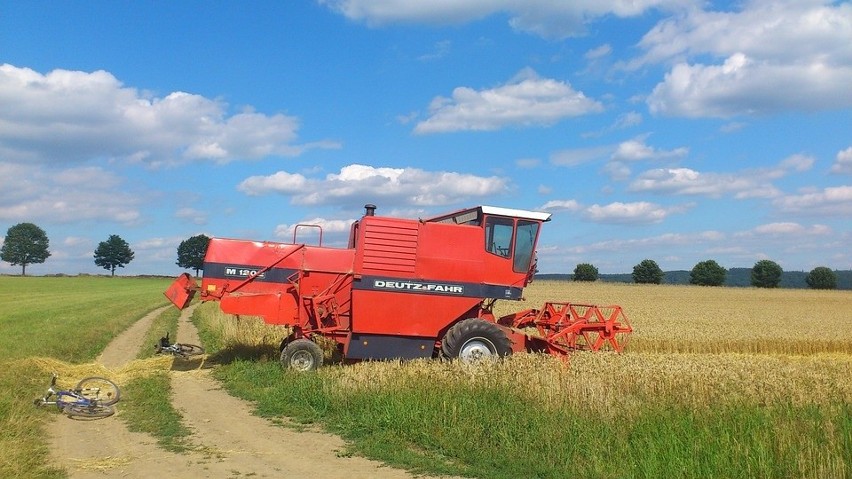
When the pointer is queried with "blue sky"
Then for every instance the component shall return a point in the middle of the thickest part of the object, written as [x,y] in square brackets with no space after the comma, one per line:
[672,130]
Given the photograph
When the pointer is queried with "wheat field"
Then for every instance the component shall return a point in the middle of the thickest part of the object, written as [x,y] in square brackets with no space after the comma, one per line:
[694,319]
[700,345]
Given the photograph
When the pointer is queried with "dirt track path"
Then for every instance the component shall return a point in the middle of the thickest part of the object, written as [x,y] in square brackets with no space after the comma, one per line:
[126,345]
[231,441]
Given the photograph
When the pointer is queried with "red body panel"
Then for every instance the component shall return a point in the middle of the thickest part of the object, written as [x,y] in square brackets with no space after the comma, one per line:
[181,291]
[275,280]
[407,314]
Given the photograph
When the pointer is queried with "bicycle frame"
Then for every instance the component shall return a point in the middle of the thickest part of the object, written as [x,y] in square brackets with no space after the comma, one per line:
[172,349]
[177,349]
[61,402]
[92,398]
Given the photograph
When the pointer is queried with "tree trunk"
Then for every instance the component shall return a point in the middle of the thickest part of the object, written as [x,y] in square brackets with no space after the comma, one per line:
[24,269]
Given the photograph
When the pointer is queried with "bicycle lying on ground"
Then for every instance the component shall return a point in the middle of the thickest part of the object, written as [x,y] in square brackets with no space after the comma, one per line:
[92,397]
[177,349]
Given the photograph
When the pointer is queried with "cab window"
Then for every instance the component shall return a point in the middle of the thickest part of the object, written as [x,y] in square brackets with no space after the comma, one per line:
[527,232]
[498,235]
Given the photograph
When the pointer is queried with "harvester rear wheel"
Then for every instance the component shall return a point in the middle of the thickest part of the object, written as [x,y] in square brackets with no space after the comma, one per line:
[472,340]
[301,355]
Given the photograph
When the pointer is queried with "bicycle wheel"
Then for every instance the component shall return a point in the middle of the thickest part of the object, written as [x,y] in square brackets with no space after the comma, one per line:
[102,390]
[189,349]
[79,411]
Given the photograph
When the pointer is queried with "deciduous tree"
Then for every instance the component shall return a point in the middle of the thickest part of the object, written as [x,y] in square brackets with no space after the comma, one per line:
[191,251]
[708,273]
[25,244]
[647,272]
[766,274]
[585,272]
[821,278]
[113,253]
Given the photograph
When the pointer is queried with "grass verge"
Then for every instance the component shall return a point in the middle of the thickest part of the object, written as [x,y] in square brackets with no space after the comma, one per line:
[146,407]
[22,426]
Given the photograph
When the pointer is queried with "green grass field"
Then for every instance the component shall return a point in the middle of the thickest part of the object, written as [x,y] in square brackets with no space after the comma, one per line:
[694,398]
[71,319]
[50,323]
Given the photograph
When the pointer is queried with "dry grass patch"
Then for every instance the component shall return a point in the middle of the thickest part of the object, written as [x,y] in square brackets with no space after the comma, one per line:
[69,374]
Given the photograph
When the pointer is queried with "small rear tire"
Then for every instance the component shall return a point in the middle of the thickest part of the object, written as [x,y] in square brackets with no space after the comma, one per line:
[301,355]
[187,350]
[102,390]
[474,340]
[78,411]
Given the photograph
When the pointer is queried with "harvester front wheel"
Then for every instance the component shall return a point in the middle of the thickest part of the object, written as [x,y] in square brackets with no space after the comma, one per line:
[301,355]
[472,340]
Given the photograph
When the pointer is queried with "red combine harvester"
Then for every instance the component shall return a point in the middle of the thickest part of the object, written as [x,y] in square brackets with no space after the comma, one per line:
[403,288]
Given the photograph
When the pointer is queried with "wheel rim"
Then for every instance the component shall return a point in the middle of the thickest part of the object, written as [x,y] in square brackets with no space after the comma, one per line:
[302,361]
[477,349]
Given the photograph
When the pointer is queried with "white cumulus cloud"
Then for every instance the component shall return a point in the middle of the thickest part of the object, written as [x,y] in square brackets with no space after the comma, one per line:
[527,100]
[361,183]
[561,205]
[843,163]
[636,149]
[744,86]
[549,19]
[68,116]
[831,201]
[748,183]
[788,228]
[686,181]
[640,212]
[770,56]
[34,193]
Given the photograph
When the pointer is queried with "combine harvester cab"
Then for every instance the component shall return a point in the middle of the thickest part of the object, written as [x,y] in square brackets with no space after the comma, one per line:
[403,288]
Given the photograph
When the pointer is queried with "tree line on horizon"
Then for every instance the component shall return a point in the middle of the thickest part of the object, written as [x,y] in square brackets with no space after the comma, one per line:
[764,274]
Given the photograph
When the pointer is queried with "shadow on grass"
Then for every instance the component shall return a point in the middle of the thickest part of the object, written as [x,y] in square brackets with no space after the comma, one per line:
[244,352]
[192,364]
[239,352]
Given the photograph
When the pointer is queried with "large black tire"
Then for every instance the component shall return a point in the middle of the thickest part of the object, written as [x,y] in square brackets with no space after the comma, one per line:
[187,350]
[102,390]
[76,411]
[472,340]
[301,355]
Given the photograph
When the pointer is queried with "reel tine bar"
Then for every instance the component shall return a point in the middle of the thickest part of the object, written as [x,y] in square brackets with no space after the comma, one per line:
[578,326]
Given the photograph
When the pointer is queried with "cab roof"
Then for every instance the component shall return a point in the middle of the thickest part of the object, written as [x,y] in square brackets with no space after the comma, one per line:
[473,214]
